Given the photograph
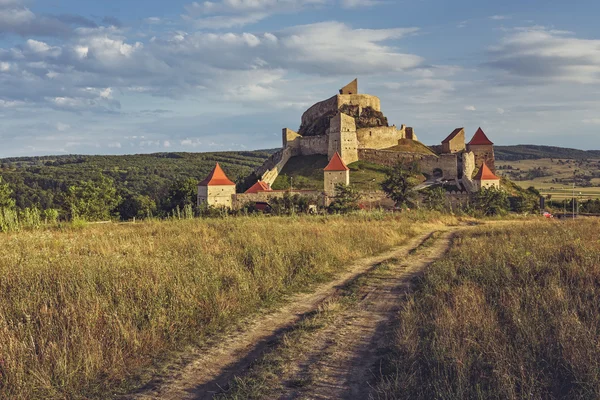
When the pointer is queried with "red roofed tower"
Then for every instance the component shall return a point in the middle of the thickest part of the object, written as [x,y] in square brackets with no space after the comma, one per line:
[217,189]
[483,148]
[336,172]
[485,178]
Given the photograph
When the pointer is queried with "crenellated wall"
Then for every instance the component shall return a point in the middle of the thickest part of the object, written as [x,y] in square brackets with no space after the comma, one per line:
[381,137]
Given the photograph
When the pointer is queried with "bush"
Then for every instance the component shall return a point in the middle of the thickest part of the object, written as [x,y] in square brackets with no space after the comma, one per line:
[346,199]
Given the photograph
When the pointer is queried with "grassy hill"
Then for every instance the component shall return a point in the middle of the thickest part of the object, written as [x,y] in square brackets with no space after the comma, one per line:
[307,173]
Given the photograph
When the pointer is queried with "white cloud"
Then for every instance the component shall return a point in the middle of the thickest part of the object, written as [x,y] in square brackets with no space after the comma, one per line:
[359,3]
[470,108]
[61,127]
[166,144]
[592,121]
[537,55]
[115,145]
[232,13]
[499,17]
[500,111]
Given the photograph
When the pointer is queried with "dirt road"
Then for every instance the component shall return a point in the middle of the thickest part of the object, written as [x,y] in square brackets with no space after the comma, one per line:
[343,355]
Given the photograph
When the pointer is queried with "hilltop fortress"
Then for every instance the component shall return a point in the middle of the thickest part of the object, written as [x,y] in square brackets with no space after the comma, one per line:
[353,125]
[349,127]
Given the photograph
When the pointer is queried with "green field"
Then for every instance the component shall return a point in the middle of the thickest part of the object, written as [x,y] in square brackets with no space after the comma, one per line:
[558,182]
[307,173]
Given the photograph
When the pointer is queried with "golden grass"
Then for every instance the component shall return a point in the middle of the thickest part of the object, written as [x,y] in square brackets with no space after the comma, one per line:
[512,312]
[84,309]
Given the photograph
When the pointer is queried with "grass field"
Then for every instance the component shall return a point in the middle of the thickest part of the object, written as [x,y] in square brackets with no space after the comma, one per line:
[557,169]
[84,311]
[511,313]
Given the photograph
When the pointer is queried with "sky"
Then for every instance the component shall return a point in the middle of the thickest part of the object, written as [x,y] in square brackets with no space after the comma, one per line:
[144,76]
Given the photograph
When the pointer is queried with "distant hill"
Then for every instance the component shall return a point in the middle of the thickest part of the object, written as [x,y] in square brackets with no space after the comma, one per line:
[532,152]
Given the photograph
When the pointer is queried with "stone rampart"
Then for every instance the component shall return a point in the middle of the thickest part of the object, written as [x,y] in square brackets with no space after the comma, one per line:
[381,137]
[430,164]
[310,145]
[270,170]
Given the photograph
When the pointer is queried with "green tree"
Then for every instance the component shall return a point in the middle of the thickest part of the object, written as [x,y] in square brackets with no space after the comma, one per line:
[6,195]
[92,200]
[435,198]
[136,206]
[181,193]
[346,199]
[400,182]
[491,201]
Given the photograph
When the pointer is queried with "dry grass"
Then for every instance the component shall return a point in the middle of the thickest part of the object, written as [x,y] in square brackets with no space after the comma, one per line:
[513,312]
[84,309]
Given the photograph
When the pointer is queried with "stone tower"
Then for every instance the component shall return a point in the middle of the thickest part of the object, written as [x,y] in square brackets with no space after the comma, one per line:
[342,138]
[335,172]
[483,148]
[455,142]
[216,190]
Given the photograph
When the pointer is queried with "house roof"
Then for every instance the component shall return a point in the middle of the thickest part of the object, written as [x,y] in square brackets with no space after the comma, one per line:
[480,138]
[485,174]
[452,135]
[216,178]
[336,164]
[259,186]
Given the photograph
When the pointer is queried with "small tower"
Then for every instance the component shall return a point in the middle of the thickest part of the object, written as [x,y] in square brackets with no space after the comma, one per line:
[483,148]
[455,142]
[216,190]
[336,172]
[485,178]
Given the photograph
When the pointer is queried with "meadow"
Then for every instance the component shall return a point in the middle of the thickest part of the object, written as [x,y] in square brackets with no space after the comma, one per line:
[85,310]
[512,312]
[557,176]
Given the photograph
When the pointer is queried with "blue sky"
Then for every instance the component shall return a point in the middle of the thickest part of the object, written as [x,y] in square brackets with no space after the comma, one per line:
[132,76]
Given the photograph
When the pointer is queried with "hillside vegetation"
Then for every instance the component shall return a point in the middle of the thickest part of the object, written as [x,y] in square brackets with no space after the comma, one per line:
[533,152]
[306,172]
[84,309]
[42,181]
[512,312]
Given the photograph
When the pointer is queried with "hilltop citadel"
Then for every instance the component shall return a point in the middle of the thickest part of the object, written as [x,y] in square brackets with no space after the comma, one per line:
[350,127]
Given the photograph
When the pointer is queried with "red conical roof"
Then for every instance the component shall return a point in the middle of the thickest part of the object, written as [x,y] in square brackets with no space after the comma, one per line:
[480,138]
[216,178]
[259,186]
[336,164]
[485,174]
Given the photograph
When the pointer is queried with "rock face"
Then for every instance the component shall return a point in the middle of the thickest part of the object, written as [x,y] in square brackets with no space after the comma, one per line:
[366,117]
